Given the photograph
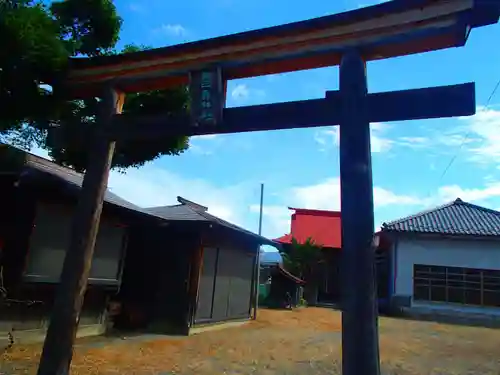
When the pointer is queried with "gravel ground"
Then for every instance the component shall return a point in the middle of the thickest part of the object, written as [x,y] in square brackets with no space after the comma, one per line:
[305,341]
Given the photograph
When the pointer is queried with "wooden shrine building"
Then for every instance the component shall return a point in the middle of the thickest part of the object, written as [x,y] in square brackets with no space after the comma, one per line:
[194,268]
[165,269]
[285,289]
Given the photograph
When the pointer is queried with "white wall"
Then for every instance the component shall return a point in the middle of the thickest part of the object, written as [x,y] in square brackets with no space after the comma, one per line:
[442,252]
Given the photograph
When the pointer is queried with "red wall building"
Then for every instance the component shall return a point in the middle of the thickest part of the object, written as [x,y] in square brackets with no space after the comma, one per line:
[322,226]
[325,229]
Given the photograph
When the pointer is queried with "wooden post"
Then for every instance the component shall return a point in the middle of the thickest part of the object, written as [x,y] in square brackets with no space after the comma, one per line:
[58,347]
[360,352]
[256,284]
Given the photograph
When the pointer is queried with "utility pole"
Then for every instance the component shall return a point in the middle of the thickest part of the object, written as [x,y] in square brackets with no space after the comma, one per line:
[58,346]
[257,262]
[261,208]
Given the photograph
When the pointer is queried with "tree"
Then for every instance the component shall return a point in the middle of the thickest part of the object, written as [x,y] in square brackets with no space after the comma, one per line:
[302,259]
[32,48]
[38,41]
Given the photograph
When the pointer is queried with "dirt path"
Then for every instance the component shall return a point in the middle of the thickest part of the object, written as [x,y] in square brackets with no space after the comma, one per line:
[279,343]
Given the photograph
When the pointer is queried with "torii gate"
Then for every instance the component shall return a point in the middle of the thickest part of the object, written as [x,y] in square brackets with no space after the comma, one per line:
[350,39]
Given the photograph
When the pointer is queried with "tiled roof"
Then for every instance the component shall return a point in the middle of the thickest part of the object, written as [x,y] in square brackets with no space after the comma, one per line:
[72,177]
[190,211]
[185,211]
[455,218]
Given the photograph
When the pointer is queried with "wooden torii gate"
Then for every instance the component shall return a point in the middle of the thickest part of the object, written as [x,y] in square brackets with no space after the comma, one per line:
[350,39]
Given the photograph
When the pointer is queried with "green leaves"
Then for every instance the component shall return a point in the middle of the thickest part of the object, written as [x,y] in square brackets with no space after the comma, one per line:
[89,27]
[68,141]
[37,41]
[31,51]
[302,258]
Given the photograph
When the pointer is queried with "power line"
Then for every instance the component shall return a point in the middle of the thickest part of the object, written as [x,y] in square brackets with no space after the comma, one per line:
[466,138]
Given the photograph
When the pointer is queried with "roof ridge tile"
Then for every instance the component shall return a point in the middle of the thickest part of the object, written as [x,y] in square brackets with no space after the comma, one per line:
[454,218]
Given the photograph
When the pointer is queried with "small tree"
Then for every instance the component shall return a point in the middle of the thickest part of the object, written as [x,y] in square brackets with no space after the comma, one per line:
[302,259]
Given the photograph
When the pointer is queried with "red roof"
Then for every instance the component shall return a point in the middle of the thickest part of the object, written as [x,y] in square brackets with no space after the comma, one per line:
[322,226]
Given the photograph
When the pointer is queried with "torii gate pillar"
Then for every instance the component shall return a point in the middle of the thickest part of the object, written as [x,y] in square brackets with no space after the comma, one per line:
[359,308]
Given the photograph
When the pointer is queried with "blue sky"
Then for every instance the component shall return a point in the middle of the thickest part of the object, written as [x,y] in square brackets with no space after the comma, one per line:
[300,168]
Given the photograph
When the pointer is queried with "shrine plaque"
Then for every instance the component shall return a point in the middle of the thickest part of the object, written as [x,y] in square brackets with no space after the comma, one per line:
[207,97]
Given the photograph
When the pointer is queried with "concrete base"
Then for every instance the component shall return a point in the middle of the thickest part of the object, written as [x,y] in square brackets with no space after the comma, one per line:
[38,335]
[216,326]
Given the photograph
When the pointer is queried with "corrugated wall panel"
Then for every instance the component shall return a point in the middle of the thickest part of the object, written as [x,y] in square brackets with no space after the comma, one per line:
[222,285]
[206,286]
[241,284]
[233,284]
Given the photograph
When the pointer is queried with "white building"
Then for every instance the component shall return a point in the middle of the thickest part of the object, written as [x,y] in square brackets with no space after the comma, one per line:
[446,260]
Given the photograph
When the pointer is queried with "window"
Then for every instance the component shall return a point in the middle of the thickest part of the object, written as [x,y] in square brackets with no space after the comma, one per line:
[467,286]
[49,241]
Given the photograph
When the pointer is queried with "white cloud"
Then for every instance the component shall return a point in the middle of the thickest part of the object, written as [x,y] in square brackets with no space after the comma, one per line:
[206,136]
[136,7]
[200,150]
[326,196]
[152,185]
[241,93]
[204,144]
[379,143]
[475,138]
[451,192]
[274,77]
[414,142]
[482,140]
[155,186]
[275,219]
[174,30]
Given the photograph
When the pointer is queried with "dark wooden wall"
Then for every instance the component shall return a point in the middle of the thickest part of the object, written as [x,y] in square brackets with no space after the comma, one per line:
[329,278]
[154,290]
[226,282]
[29,308]
[27,305]
[280,286]
[18,212]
